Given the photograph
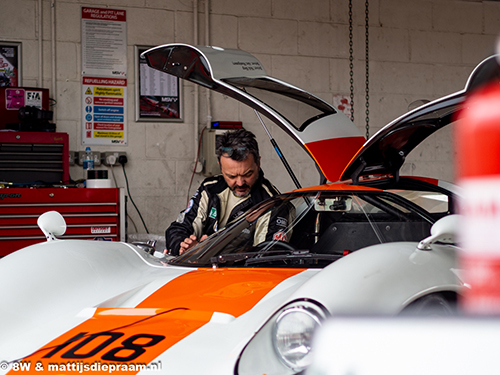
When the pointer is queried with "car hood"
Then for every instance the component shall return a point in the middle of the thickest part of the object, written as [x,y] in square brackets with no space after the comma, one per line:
[78,300]
[385,152]
[313,123]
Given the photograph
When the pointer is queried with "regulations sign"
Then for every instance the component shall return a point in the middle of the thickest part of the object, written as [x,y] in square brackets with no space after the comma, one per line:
[104,111]
[104,42]
[104,76]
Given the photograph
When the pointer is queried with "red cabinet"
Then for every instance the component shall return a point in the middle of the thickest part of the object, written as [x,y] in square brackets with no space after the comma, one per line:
[34,158]
[89,214]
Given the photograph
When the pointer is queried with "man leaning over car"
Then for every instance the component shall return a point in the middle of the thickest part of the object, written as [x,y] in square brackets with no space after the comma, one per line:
[221,199]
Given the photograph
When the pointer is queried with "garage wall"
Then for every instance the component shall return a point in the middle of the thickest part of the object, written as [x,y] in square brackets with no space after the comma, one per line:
[419,49]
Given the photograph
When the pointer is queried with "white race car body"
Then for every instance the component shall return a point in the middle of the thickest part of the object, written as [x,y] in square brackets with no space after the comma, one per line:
[204,317]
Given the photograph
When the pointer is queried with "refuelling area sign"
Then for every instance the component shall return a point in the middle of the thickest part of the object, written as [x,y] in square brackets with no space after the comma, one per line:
[104,111]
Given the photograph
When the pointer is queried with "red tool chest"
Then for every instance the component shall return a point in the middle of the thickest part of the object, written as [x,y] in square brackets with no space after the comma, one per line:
[34,157]
[89,214]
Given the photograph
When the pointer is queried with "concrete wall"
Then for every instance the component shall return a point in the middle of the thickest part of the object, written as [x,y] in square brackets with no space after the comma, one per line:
[419,49]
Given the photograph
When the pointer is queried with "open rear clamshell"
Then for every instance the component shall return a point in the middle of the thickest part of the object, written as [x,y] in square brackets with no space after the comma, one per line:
[329,137]
[385,152]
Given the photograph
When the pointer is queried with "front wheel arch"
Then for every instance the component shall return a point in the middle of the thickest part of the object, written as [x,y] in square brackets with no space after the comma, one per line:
[435,304]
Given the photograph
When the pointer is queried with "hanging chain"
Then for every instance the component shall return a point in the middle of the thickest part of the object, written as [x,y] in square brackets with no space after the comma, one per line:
[367,74]
[351,59]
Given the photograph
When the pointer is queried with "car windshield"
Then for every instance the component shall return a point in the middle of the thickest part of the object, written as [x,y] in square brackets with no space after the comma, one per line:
[309,230]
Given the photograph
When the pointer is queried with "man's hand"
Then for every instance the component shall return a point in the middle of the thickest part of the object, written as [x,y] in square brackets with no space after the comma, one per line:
[189,242]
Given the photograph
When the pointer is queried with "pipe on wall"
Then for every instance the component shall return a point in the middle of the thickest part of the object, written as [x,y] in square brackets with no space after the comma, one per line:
[207,43]
[196,164]
[40,44]
[198,167]
[53,52]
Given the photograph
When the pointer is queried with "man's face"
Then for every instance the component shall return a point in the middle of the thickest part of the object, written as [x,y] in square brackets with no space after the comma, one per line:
[240,176]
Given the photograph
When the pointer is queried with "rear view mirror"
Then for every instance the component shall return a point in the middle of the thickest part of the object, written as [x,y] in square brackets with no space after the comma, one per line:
[443,230]
[336,204]
[52,224]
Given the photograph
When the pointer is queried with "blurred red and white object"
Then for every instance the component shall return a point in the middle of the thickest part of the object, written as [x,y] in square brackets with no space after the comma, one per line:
[478,170]
[406,346]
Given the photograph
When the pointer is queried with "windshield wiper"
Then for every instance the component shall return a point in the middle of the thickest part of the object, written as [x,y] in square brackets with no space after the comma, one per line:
[223,258]
[297,257]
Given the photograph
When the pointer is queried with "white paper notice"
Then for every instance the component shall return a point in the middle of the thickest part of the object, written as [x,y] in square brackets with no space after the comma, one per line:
[104,42]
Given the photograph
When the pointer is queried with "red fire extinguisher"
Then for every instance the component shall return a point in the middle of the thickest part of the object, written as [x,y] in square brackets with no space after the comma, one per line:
[477,140]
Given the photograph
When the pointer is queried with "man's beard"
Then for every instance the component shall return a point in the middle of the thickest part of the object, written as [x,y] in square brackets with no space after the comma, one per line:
[241,195]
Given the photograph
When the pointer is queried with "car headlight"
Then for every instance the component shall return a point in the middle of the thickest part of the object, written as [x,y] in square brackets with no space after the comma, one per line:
[282,346]
[293,331]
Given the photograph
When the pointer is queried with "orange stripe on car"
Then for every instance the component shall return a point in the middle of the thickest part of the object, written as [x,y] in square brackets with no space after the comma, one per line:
[126,339]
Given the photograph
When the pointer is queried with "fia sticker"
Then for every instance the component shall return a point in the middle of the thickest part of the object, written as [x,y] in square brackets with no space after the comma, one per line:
[34,98]
[213,213]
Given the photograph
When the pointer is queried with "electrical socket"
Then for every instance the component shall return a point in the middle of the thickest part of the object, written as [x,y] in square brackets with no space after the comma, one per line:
[73,155]
[108,156]
[80,155]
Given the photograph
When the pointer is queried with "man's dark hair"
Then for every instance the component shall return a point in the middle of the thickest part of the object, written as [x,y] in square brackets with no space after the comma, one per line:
[237,144]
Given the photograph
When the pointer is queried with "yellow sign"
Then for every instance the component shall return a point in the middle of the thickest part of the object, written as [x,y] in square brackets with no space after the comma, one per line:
[88,92]
[108,91]
[101,134]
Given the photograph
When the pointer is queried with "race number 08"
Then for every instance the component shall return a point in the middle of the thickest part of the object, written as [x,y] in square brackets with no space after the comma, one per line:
[129,346]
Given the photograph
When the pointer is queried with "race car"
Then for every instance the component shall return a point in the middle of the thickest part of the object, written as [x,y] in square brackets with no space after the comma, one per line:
[373,242]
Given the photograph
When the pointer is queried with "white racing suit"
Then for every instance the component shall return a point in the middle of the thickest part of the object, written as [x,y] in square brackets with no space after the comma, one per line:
[206,208]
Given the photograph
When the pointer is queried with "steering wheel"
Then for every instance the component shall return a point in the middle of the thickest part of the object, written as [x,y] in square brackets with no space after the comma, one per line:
[275,243]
